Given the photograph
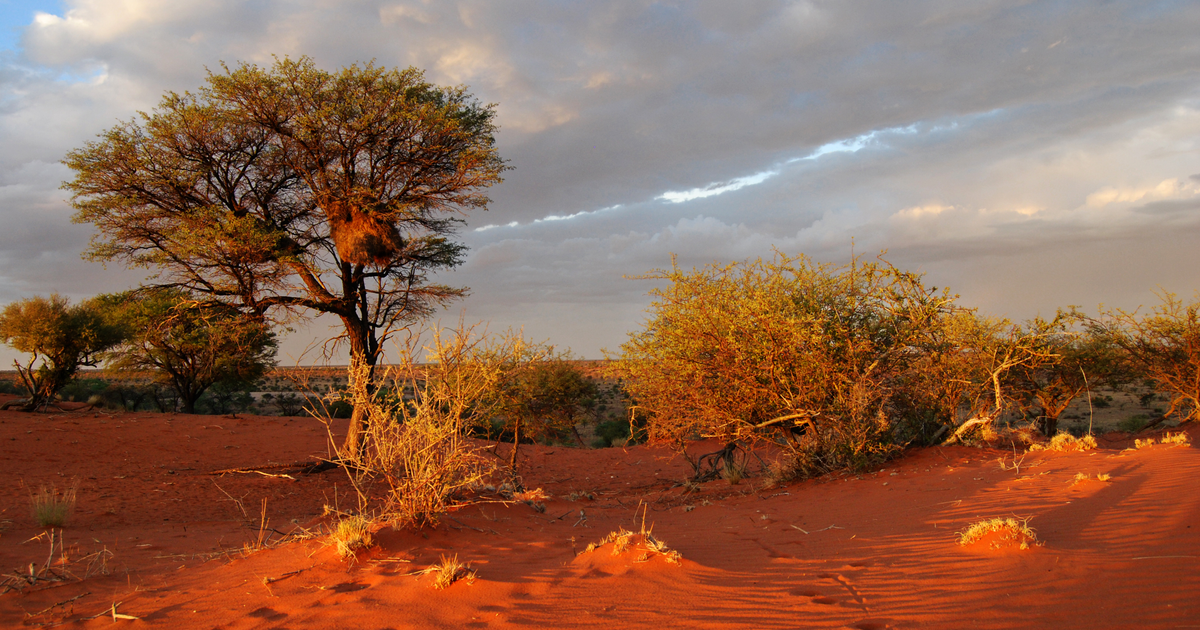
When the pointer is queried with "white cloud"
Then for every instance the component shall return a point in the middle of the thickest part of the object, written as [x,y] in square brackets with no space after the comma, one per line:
[1166,189]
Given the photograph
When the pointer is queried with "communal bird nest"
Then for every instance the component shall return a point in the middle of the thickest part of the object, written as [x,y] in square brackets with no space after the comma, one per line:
[362,237]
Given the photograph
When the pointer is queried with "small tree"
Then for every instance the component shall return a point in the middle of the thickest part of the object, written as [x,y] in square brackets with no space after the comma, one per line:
[190,345]
[540,392]
[1162,346]
[59,339]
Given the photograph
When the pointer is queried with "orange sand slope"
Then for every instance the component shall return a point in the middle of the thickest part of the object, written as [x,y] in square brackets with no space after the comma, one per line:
[872,551]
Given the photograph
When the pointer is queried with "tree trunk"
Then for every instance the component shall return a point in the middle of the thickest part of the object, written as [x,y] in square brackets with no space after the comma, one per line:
[512,464]
[364,353]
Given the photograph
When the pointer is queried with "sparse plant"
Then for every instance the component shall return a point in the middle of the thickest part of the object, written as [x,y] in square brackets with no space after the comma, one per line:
[1146,443]
[451,570]
[1134,423]
[1103,477]
[52,507]
[353,532]
[1007,530]
[1082,477]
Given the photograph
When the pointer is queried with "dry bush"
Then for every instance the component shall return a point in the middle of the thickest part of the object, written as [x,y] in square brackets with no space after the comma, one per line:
[828,360]
[449,571]
[416,444]
[1009,530]
[353,532]
[1066,442]
[51,507]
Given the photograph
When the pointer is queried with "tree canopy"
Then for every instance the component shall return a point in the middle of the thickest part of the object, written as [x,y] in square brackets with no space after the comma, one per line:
[59,338]
[190,345]
[296,190]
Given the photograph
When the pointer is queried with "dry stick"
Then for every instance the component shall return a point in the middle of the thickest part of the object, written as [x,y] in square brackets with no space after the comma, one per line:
[52,607]
[237,501]
[246,472]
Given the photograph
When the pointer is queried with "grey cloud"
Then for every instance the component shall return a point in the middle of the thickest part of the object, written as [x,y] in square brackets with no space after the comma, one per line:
[1014,108]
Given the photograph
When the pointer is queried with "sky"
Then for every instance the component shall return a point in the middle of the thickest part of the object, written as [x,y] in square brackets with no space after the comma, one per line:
[1026,154]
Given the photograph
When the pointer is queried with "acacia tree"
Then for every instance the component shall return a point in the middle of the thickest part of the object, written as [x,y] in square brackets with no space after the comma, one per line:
[59,338]
[1162,346]
[296,190]
[191,345]
[1067,363]
[540,393]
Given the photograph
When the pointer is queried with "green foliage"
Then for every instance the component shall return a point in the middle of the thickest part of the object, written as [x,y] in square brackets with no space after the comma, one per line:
[59,339]
[192,346]
[610,432]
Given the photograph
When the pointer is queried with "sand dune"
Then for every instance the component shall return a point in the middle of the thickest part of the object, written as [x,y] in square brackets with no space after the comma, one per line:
[877,550]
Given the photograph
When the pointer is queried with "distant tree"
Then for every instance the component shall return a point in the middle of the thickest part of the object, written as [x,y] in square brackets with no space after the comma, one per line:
[1162,346]
[1068,362]
[190,345]
[59,339]
[542,393]
[293,189]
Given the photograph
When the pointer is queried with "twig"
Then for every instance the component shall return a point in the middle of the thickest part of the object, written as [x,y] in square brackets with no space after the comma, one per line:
[53,606]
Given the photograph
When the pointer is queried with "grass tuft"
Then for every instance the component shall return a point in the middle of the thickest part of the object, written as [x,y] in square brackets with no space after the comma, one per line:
[352,533]
[1010,530]
[51,507]
[623,540]
[449,571]
[1067,442]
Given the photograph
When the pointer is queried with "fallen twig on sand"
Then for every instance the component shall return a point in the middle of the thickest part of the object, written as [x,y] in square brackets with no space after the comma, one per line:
[53,606]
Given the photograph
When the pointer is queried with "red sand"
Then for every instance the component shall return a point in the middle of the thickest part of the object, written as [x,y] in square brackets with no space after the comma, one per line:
[872,551]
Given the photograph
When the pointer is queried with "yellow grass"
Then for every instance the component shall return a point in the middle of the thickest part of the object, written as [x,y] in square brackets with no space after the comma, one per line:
[449,571]
[351,534]
[1009,530]
[1066,442]
[623,540]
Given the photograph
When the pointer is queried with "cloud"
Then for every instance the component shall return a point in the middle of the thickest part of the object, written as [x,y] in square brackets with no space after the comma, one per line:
[961,137]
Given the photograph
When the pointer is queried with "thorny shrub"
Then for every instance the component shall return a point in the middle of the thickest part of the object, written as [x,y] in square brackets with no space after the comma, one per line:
[840,359]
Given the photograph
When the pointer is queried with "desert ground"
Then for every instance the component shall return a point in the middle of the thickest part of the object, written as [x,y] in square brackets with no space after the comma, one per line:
[161,538]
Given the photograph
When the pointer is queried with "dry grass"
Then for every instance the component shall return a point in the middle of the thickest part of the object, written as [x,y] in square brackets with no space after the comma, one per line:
[623,540]
[352,533]
[1082,477]
[1177,439]
[733,472]
[1066,442]
[1008,530]
[51,507]
[449,571]
[1174,439]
